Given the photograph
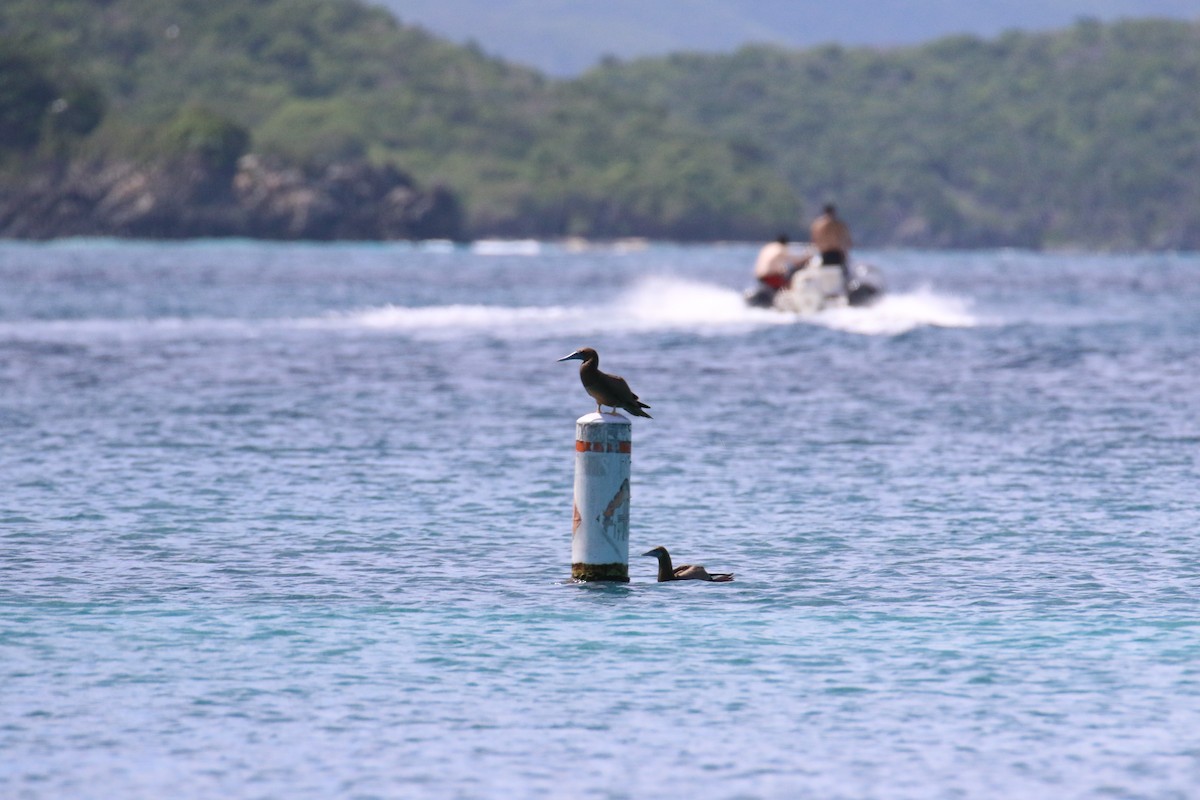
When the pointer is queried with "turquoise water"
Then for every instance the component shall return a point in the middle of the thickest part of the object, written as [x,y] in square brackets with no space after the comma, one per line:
[294,521]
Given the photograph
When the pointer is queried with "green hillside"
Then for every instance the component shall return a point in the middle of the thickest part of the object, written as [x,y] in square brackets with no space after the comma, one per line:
[321,80]
[1087,137]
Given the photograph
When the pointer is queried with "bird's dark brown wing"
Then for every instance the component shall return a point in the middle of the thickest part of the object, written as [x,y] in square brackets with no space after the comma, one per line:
[625,397]
[695,572]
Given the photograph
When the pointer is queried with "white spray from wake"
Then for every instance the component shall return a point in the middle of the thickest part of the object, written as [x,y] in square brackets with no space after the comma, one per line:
[651,304]
[665,303]
[895,314]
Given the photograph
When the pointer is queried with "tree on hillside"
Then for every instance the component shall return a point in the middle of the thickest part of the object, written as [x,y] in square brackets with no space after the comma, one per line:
[37,106]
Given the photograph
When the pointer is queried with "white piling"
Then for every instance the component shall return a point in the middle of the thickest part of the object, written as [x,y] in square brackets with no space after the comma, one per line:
[600,529]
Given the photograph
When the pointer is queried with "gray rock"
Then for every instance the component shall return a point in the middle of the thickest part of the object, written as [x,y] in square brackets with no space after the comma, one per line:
[262,199]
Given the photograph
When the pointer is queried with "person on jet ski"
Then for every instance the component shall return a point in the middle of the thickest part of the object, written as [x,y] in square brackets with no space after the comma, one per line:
[775,264]
[831,237]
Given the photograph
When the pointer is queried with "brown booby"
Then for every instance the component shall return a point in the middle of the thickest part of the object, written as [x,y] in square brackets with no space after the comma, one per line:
[605,389]
[684,572]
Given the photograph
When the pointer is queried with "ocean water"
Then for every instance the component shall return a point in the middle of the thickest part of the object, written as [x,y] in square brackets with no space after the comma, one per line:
[293,521]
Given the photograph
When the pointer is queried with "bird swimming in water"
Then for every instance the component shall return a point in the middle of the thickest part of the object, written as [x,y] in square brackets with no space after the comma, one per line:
[684,572]
[605,389]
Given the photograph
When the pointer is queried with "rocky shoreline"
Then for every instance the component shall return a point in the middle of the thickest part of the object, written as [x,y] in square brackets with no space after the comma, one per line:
[260,199]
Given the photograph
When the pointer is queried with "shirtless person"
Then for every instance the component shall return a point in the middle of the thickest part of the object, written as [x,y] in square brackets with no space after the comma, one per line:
[773,268]
[774,264]
[831,237]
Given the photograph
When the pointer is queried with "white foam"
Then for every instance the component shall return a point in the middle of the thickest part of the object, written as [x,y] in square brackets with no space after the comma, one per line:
[656,303]
[472,317]
[667,303]
[651,304]
[895,314]
[506,247]
[88,329]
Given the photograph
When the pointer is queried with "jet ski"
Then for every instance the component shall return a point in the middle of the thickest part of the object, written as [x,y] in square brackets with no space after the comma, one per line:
[815,287]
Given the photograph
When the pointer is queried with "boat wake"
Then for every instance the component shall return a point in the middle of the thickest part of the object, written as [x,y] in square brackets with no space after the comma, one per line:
[665,303]
[895,314]
[651,304]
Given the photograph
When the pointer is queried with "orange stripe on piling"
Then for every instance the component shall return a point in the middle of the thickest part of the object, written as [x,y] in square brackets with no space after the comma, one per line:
[601,447]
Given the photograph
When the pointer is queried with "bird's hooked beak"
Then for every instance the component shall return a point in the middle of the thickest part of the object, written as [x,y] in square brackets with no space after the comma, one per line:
[576,356]
[653,552]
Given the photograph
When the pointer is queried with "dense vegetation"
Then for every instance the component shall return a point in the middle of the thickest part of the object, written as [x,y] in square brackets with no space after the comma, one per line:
[42,104]
[314,81]
[1090,136]
[1087,137]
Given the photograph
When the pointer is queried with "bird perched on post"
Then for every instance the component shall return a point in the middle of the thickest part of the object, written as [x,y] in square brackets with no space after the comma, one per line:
[605,389]
[684,572]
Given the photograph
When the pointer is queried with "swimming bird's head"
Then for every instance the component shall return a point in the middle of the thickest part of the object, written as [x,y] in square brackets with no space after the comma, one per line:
[582,354]
[657,552]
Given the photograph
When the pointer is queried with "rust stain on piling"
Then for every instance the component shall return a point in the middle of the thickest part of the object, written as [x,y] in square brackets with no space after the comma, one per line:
[575,520]
[619,499]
